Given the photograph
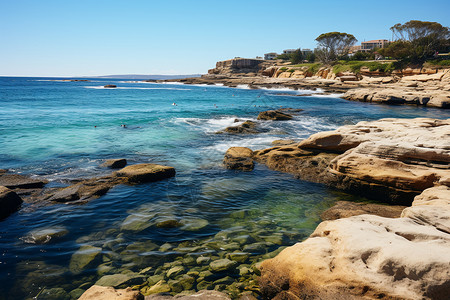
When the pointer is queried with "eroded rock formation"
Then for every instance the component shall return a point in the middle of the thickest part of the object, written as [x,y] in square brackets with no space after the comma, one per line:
[369,257]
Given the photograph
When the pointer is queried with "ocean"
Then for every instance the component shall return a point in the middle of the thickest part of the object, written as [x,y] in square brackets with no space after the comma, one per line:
[64,130]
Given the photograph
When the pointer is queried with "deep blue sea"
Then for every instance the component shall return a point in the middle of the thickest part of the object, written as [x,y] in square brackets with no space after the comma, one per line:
[60,131]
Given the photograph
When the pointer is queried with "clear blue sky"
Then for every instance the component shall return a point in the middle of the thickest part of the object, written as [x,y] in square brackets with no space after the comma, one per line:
[76,38]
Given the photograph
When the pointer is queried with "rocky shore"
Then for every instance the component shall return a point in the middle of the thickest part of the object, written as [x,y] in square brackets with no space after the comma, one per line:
[369,256]
[424,87]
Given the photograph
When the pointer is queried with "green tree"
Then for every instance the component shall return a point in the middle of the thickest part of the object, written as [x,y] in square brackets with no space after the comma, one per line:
[297,57]
[418,40]
[334,44]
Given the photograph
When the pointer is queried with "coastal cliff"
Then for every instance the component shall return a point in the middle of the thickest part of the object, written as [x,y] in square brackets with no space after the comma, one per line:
[419,86]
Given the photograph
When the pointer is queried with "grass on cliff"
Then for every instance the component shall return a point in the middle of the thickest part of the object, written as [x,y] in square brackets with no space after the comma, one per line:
[444,62]
[355,66]
[312,67]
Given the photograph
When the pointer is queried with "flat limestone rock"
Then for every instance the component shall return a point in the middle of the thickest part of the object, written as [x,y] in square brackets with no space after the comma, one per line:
[9,202]
[17,181]
[96,292]
[369,257]
[146,173]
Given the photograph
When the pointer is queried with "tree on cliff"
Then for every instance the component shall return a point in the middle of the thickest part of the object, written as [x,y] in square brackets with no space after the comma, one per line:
[297,56]
[417,40]
[333,44]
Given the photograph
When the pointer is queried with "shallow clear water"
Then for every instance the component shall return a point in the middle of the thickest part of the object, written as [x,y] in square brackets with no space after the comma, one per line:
[64,130]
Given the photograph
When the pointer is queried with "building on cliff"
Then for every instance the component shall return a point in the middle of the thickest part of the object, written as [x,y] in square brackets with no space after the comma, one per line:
[370,45]
[270,55]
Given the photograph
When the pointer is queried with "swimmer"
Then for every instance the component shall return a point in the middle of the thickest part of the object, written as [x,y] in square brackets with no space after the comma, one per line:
[174,104]
[123,126]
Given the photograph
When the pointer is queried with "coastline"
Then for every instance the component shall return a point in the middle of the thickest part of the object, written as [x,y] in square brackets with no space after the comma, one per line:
[285,151]
[430,88]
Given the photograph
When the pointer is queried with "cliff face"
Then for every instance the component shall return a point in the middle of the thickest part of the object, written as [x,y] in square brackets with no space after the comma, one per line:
[239,65]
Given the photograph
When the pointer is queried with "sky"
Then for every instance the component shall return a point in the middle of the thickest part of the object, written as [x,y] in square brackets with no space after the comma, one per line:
[88,38]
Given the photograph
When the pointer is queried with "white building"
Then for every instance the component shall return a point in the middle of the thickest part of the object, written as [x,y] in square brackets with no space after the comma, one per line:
[289,51]
[270,55]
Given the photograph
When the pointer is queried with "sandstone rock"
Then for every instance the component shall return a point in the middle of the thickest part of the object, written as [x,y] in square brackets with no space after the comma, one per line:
[383,159]
[110,86]
[108,293]
[274,115]
[84,190]
[345,209]
[200,295]
[239,158]
[370,257]
[146,172]
[248,127]
[9,202]
[283,142]
[115,163]
[17,181]
[84,258]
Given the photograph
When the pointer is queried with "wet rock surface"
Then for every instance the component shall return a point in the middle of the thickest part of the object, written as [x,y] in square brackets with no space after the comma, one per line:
[274,115]
[9,202]
[239,158]
[115,163]
[345,209]
[248,127]
[146,172]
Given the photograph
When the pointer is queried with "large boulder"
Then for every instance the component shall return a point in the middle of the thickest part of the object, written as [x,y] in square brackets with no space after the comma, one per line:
[369,257]
[390,160]
[146,173]
[274,115]
[9,202]
[96,292]
[239,158]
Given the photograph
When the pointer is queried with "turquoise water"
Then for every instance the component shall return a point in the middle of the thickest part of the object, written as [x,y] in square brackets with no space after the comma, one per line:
[64,130]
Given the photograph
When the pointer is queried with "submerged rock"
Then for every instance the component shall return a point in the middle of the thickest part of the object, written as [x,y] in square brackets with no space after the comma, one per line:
[45,235]
[146,173]
[239,158]
[9,202]
[120,280]
[193,224]
[83,258]
[96,292]
[221,265]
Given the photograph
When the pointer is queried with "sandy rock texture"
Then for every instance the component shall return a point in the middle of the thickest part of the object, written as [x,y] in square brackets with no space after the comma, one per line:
[369,257]
[96,292]
[425,89]
[390,160]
